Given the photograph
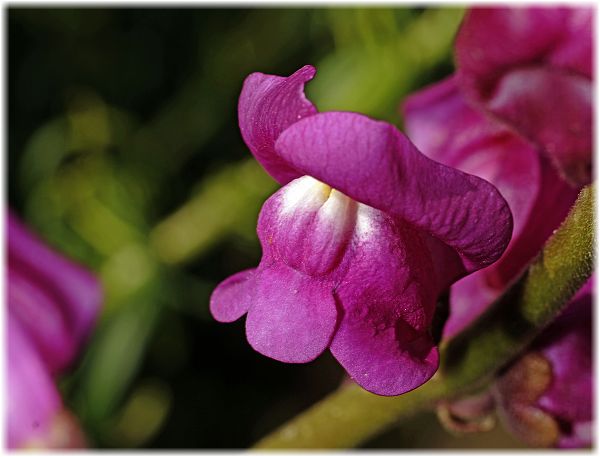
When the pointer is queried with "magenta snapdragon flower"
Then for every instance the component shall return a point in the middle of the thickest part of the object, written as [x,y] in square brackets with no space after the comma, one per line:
[531,68]
[546,397]
[450,123]
[52,305]
[358,243]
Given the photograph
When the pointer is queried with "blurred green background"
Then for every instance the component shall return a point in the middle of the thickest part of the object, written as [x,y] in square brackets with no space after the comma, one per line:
[124,152]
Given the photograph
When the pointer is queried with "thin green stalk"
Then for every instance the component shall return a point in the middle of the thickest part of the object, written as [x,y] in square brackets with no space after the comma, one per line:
[350,415]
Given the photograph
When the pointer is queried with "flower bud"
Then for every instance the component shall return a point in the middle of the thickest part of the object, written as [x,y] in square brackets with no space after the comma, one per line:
[545,397]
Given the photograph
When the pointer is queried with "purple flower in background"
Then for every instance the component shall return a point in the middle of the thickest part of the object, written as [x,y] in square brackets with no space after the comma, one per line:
[467,122]
[545,397]
[52,305]
[518,113]
[531,68]
[359,242]
[446,128]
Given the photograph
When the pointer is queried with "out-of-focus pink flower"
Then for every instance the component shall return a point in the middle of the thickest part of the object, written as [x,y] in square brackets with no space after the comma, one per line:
[52,305]
[443,125]
[545,397]
[531,68]
[359,242]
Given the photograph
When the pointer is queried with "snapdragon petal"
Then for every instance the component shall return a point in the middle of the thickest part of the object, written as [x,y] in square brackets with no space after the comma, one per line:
[32,396]
[307,226]
[538,83]
[31,302]
[388,298]
[232,297]
[67,296]
[268,105]
[574,50]
[373,163]
[562,39]
[555,111]
[441,124]
[494,40]
[292,317]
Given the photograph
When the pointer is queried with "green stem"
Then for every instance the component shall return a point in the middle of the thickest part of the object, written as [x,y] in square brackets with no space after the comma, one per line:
[351,415]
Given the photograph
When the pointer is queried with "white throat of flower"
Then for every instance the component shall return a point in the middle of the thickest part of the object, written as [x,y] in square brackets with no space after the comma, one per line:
[316,222]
